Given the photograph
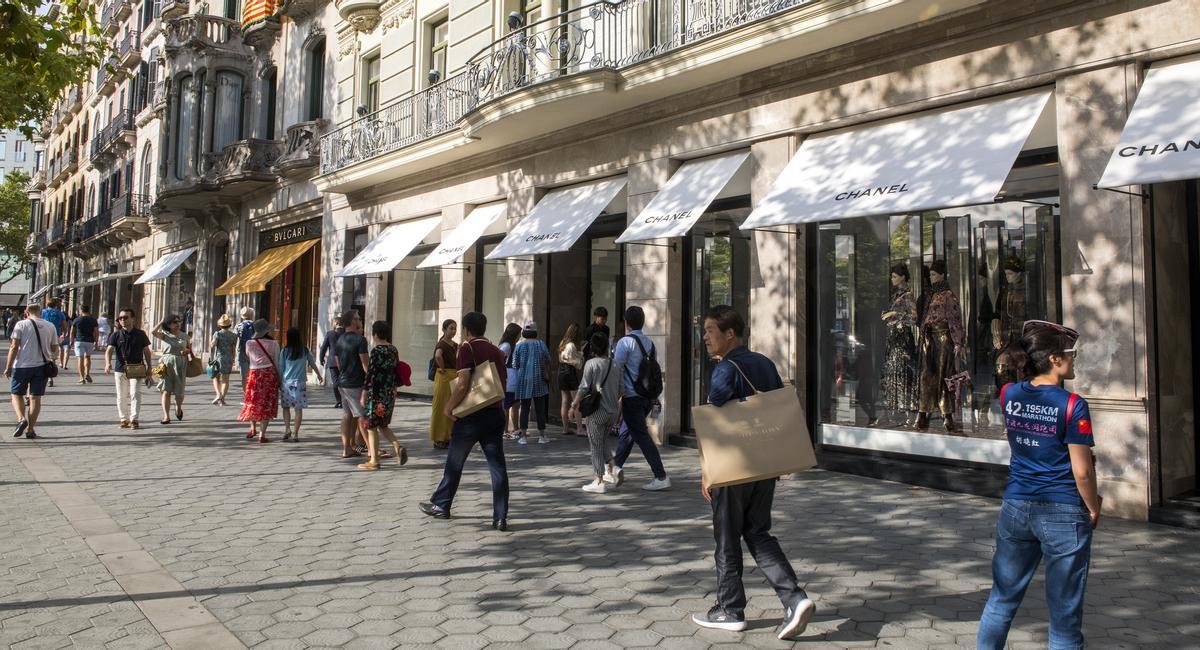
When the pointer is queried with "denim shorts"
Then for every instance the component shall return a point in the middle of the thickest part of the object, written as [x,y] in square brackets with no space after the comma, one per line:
[29,380]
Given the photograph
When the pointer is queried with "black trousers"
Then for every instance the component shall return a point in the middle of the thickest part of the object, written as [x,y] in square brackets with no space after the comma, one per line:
[744,512]
[540,407]
[485,427]
[332,373]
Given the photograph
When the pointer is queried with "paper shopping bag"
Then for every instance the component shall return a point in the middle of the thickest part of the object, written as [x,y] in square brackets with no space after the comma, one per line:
[485,390]
[763,437]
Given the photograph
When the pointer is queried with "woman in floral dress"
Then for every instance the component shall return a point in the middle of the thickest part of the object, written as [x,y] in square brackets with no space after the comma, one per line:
[900,362]
[379,395]
[223,346]
[172,365]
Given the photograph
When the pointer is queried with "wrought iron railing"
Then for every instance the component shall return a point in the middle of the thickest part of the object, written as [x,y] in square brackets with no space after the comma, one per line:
[106,15]
[130,206]
[131,42]
[601,35]
[106,136]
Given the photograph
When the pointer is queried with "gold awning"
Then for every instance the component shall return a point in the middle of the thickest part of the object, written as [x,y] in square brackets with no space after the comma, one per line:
[262,269]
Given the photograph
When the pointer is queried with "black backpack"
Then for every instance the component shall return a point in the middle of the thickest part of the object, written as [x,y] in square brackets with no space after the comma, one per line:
[649,380]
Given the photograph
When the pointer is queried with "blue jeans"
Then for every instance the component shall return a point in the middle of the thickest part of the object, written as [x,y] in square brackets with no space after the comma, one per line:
[634,411]
[485,427]
[1026,533]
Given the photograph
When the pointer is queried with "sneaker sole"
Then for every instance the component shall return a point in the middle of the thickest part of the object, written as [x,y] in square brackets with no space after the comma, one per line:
[735,626]
[659,488]
[799,622]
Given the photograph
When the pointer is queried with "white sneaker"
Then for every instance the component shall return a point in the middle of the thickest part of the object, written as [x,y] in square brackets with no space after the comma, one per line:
[523,440]
[618,476]
[596,488]
[795,619]
[610,479]
[543,440]
[658,484]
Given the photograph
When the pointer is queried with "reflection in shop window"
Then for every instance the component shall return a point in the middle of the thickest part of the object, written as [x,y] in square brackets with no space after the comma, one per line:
[416,299]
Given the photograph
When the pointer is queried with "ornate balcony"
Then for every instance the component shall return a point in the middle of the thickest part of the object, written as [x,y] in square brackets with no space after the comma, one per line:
[56,237]
[128,219]
[155,27]
[112,141]
[302,148]
[156,102]
[108,22]
[201,32]
[74,99]
[64,166]
[106,78]
[172,9]
[38,181]
[298,9]
[243,165]
[122,9]
[363,15]
[35,242]
[129,49]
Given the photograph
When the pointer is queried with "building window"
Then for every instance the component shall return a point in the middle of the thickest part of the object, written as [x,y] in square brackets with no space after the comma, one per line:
[269,90]
[2,174]
[19,151]
[185,127]
[147,172]
[232,9]
[439,32]
[370,84]
[3,149]
[355,288]
[228,127]
[316,80]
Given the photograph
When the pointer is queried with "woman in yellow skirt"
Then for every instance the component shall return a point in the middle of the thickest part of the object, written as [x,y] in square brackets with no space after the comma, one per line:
[445,356]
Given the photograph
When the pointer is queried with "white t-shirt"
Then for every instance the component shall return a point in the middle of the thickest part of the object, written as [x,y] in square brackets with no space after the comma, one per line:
[28,355]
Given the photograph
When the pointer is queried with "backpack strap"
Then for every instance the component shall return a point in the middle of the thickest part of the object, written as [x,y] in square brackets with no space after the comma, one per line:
[1071,402]
[1003,390]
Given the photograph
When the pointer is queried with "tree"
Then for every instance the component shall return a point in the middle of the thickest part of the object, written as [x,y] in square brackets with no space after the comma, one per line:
[44,49]
[14,226]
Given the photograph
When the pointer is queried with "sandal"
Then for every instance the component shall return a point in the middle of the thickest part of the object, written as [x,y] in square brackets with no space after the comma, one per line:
[179,412]
[353,454]
[262,440]
[167,421]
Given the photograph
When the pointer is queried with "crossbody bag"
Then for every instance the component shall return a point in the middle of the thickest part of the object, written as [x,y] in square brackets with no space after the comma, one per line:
[48,367]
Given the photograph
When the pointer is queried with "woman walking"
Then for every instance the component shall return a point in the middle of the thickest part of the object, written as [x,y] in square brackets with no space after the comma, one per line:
[599,378]
[1051,503]
[531,361]
[508,343]
[380,395]
[262,384]
[444,373]
[172,365]
[294,361]
[570,364]
[223,347]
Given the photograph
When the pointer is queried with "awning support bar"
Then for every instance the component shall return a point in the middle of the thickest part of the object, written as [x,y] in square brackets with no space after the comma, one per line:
[1029,201]
[674,245]
[1145,196]
[777,232]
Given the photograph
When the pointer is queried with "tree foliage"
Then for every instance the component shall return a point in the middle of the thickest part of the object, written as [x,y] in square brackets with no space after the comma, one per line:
[14,226]
[44,49]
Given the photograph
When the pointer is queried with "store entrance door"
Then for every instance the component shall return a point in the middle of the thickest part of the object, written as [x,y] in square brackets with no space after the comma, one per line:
[718,260]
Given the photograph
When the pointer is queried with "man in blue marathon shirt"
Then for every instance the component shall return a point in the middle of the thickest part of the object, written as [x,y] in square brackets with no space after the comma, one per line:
[744,511]
[1052,503]
[53,315]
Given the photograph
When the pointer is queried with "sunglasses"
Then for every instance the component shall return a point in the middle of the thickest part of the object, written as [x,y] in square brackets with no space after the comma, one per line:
[122,318]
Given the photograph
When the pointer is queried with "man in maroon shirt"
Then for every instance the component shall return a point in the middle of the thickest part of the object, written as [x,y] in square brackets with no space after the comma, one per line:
[485,426]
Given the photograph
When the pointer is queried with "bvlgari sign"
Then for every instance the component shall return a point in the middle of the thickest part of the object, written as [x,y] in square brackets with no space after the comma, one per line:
[285,235]
[1161,141]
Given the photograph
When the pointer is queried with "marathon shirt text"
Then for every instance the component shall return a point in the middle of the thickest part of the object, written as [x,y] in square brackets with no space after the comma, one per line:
[1041,422]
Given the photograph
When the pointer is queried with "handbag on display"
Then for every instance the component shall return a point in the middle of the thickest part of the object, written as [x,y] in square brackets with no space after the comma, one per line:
[761,437]
[590,403]
[485,388]
[195,367]
[48,367]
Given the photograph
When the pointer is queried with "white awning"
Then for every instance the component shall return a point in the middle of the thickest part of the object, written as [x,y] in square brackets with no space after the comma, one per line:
[559,219]
[117,275]
[38,294]
[682,201]
[386,251]
[1160,142]
[165,266]
[950,158]
[465,235]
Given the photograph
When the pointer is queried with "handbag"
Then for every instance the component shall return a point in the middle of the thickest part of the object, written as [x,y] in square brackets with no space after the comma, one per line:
[48,367]
[432,370]
[195,367]
[214,368]
[132,370]
[761,437]
[485,388]
[590,403]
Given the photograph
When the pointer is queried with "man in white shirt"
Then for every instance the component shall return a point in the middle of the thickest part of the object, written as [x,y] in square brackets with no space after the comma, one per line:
[34,344]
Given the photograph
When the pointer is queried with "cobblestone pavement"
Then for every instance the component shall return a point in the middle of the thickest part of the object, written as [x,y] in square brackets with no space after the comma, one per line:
[180,535]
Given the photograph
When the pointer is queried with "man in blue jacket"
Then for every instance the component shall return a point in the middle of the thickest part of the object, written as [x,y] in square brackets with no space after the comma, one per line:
[744,511]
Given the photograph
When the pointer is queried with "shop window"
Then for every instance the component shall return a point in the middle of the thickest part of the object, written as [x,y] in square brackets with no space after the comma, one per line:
[491,289]
[416,297]
[912,311]
[355,288]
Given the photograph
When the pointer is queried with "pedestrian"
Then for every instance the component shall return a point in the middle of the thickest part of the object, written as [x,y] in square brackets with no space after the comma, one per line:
[599,324]
[444,355]
[379,398]
[570,365]
[1052,503]
[172,365]
[352,362]
[34,345]
[223,348]
[294,361]
[53,315]
[245,332]
[743,512]
[512,408]
[531,362]
[629,353]
[484,427]
[599,377]
[262,382]
[104,324]
[85,331]
[4,320]
[328,354]
[126,346]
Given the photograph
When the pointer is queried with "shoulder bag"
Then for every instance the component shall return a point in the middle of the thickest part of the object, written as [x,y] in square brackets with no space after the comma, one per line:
[590,403]
[761,437]
[269,358]
[485,388]
[48,367]
[132,370]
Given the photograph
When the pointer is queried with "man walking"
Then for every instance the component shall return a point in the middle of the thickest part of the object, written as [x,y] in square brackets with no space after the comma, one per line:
[53,315]
[245,332]
[631,350]
[328,358]
[127,344]
[744,511]
[84,333]
[485,427]
[352,360]
[34,344]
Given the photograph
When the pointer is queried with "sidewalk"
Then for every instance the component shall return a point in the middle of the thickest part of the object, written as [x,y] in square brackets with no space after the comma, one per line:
[288,546]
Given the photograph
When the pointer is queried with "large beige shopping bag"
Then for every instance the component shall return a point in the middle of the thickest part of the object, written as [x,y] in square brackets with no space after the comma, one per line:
[763,437]
[485,389]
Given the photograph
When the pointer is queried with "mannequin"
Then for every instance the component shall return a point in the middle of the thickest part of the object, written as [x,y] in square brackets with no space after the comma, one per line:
[942,339]
[899,366]
[1010,311]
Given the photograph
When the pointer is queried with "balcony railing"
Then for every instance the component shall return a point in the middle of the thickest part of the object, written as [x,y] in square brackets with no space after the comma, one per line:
[129,50]
[130,206]
[602,35]
[108,139]
[201,31]
[107,16]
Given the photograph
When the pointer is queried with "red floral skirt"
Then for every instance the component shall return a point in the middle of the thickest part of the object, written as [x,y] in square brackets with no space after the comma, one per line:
[262,396]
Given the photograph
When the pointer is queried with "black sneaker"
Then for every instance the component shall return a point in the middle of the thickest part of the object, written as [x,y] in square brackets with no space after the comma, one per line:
[437,512]
[718,619]
[795,619]
[30,435]
[20,430]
